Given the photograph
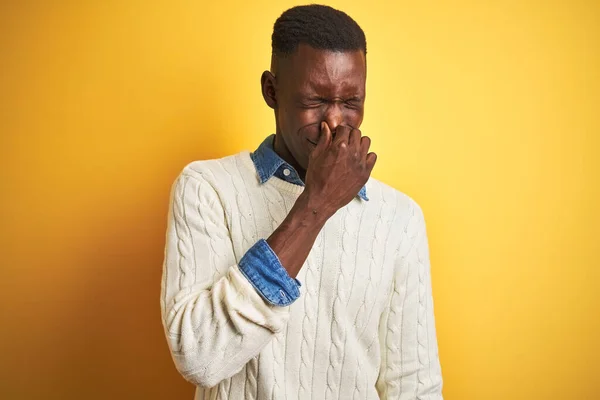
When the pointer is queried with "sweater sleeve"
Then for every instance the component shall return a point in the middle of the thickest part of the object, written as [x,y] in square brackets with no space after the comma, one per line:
[214,319]
[263,269]
[409,354]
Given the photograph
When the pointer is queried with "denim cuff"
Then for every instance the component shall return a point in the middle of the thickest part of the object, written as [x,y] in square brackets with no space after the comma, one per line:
[265,272]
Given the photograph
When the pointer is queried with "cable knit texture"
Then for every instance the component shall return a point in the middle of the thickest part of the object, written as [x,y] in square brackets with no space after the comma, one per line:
[363,327]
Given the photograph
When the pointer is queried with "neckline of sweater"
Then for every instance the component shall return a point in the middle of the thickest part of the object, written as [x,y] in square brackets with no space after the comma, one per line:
[275,181]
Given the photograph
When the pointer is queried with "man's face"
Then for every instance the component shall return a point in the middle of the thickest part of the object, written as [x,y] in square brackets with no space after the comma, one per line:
[313,86]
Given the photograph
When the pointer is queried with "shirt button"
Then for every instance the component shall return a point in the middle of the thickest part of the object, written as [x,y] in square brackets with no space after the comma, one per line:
[286,172]
[282,294]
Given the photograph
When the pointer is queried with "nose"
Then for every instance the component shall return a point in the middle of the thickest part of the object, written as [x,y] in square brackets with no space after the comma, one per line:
[334,116]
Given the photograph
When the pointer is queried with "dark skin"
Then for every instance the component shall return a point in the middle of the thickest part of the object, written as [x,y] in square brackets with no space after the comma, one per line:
[318,98]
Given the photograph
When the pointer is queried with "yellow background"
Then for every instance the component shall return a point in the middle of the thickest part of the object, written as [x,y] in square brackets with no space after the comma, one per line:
[485,112]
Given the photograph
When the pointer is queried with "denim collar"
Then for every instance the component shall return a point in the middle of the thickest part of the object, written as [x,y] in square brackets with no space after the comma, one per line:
[268,164]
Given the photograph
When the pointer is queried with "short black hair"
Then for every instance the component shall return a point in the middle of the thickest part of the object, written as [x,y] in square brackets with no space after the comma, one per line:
[321,27]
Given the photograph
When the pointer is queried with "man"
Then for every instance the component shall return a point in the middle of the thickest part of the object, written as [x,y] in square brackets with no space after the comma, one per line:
[289,273]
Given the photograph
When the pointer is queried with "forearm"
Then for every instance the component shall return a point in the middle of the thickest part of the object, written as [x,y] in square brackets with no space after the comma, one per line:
[213,332]
[294,238]
[207,304]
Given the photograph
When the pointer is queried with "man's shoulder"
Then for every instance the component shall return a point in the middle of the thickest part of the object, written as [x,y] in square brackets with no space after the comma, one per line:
[391,199]
[217,169]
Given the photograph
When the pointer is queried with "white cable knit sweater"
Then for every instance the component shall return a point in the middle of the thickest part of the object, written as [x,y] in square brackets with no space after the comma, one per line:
[363,327]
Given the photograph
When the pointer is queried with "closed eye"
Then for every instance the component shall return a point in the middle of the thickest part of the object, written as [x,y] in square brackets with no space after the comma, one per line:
[311,105]
[313,102]
[353,103]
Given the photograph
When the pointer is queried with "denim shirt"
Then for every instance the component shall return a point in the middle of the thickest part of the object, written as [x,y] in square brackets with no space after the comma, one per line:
[260,264]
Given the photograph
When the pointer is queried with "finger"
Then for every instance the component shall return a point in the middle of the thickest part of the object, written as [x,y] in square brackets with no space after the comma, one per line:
[324,138]
[371,160]
[365,144]
[354,140]
[342,135]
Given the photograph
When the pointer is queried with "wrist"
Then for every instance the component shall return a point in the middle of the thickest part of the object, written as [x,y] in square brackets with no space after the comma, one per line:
[313,209]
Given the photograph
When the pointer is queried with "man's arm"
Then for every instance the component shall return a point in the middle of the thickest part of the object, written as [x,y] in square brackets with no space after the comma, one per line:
[410,366]
[215,326]
[214,319]
[338,168]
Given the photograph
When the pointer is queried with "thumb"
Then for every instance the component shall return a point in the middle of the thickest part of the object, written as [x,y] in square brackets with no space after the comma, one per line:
[325,138]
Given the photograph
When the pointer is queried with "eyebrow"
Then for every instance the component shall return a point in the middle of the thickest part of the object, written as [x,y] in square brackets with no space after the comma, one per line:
[354,98]
[317,97]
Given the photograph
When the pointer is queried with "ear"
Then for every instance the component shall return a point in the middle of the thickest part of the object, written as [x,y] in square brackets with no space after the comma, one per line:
[267,83]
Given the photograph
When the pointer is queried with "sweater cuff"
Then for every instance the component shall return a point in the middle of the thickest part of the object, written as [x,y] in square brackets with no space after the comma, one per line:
[261,266]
